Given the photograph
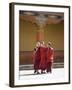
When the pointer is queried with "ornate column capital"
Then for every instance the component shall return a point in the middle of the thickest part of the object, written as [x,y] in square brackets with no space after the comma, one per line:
[41,20]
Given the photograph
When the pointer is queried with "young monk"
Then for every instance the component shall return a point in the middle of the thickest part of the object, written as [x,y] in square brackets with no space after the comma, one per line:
[37,58]
[50,57]
[42,65]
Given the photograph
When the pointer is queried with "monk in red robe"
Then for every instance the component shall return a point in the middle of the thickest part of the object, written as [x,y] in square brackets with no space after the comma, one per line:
[50,57]
[42,65]
[37,58]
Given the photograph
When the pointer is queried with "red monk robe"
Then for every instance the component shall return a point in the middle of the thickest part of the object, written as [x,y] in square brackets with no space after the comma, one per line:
[43,58]
[36,59]
[50,57]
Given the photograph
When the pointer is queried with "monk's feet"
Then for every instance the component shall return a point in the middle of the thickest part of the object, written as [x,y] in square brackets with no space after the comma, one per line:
[49,71]
[42,72]
[38,73]
[35,71]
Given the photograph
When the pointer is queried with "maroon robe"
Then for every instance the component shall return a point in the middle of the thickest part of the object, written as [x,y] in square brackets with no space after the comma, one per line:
[42,65]
[50,57]
[50,54]
[37,58]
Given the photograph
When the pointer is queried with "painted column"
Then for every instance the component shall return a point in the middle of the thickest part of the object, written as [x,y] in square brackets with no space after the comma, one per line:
[40,34]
